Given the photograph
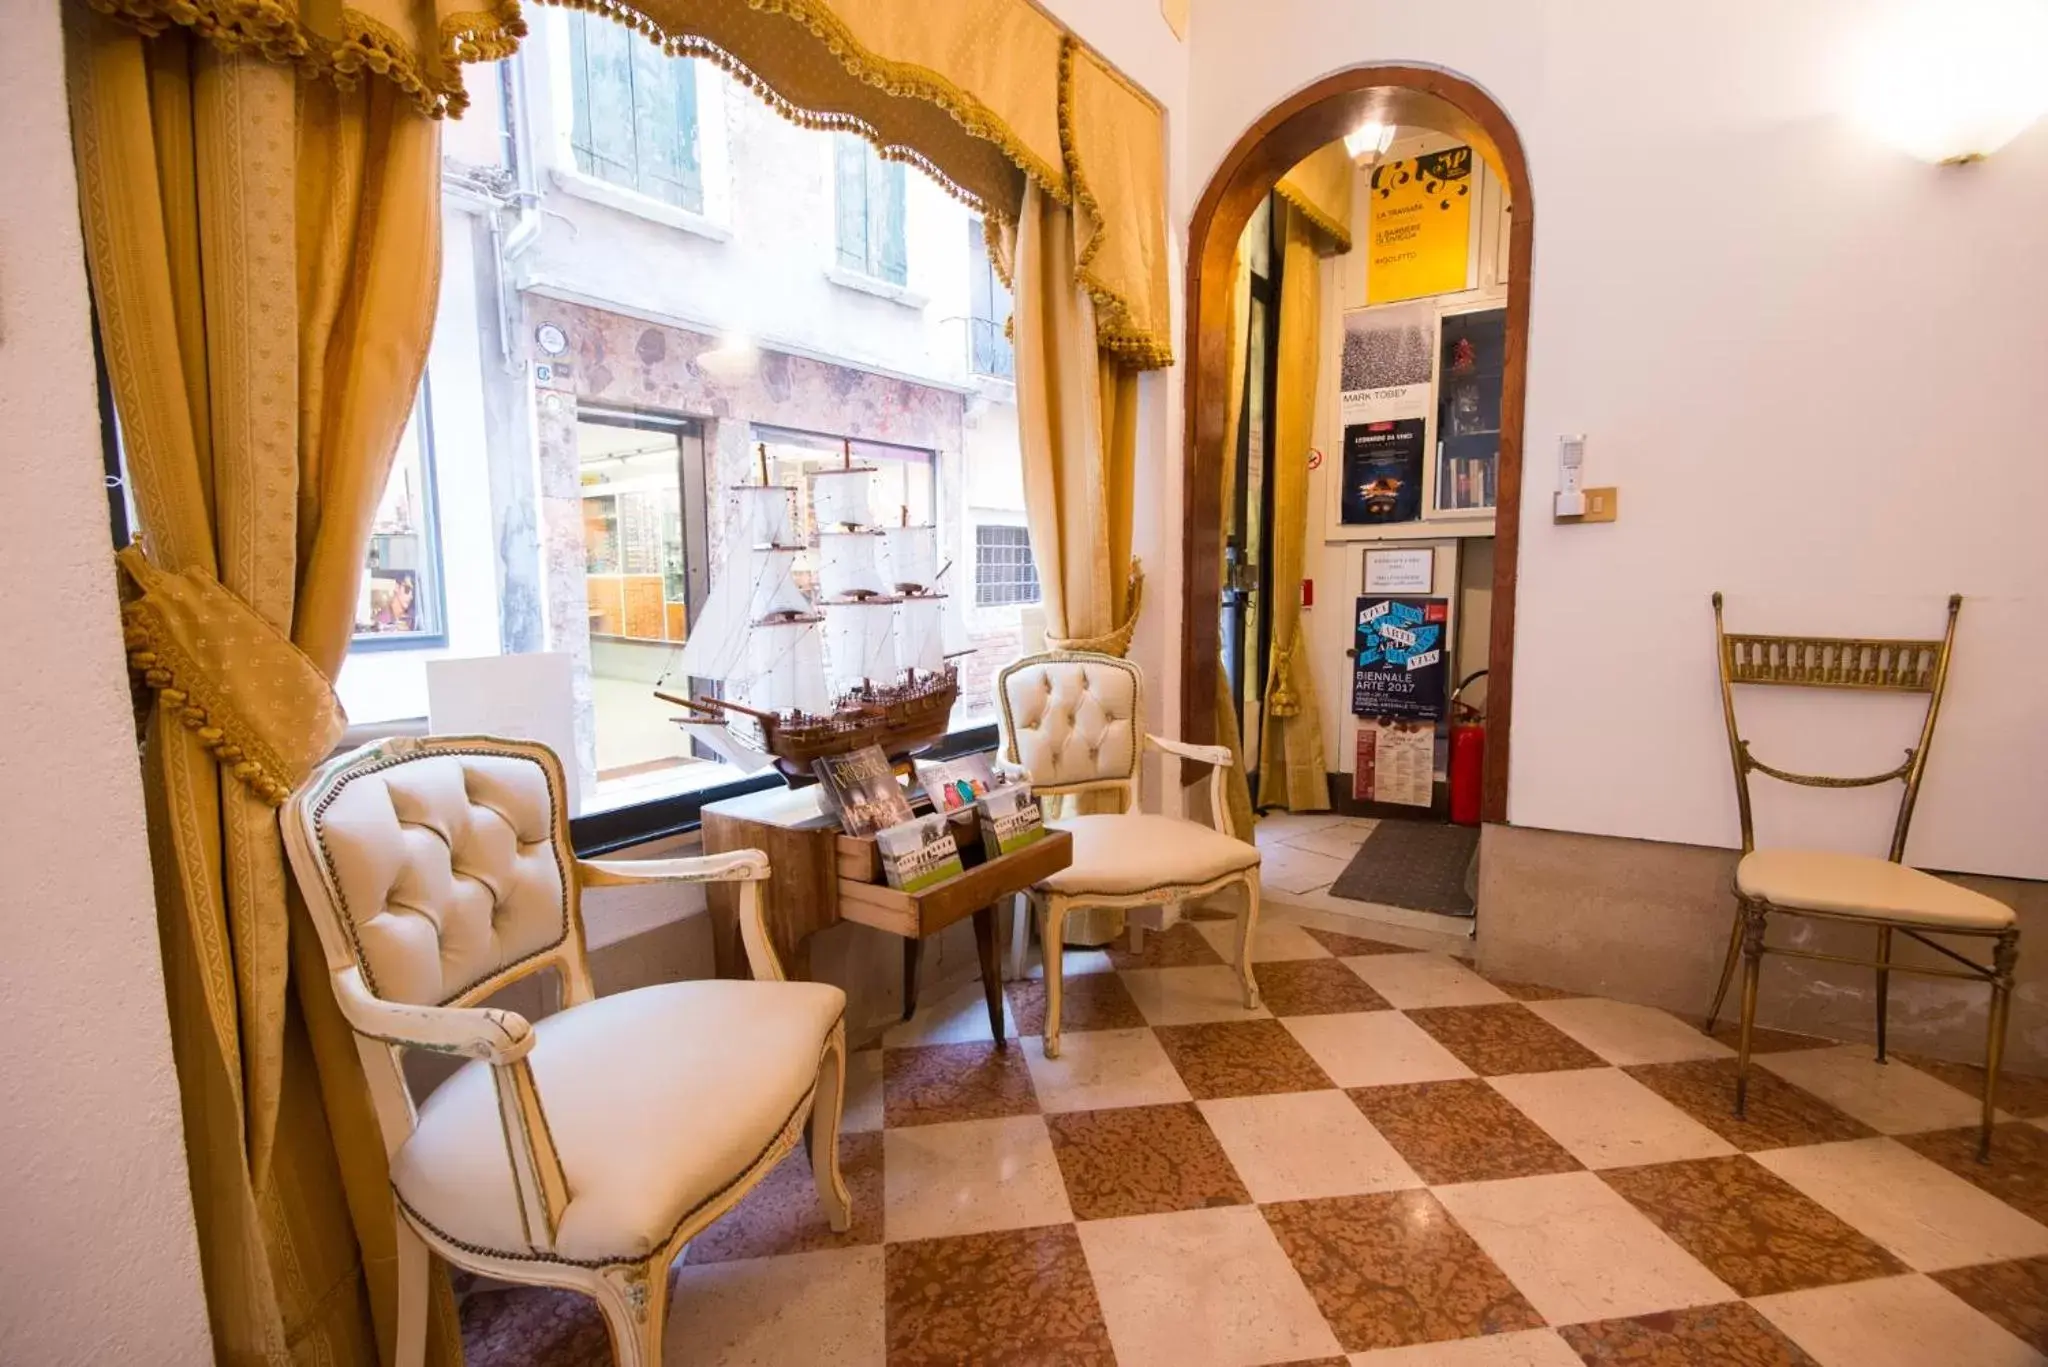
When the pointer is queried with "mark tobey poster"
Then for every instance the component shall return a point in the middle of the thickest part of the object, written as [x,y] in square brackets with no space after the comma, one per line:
[1398,669]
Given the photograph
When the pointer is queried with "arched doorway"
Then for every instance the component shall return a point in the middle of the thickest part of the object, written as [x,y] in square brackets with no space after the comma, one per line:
[1308,120]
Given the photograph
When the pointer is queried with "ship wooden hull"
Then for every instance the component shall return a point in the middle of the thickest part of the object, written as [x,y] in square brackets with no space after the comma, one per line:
[902,719]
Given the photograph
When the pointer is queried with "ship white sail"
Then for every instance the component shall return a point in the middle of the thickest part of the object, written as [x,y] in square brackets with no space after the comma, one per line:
[764,515]
[920,633]
[786,669]
[846,565]
[776,591]
[843,498]
[910,558]
[860,642]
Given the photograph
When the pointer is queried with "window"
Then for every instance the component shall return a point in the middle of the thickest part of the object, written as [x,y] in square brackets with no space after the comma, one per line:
[988,344]
[635,115]
[1003,572]
[871,211]
[399,600]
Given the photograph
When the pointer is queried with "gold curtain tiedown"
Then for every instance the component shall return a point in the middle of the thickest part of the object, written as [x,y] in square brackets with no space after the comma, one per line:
[265,256]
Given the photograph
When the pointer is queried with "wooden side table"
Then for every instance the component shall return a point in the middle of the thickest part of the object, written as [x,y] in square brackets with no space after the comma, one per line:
[818,876]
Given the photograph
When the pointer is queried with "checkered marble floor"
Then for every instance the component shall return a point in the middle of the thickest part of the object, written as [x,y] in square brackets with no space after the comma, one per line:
[1393,1161]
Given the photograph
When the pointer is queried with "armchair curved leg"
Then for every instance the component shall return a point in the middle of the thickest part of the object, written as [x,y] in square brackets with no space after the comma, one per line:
[1727,971]
[634,1300]
[1884,984]
[1052,940]
[415,1290]
[1247,927]
[821,1138]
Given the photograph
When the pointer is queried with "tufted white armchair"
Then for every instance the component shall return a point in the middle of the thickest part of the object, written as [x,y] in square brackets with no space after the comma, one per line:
[1071,724]
[586,1149]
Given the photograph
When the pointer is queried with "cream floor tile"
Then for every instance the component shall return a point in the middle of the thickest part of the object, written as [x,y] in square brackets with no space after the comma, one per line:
[1626,1034]
[1577,1250]
[792,1311]
[1606,1119]
[1339,839]
[863,1092]
[1275,938]
[1286,868]
[970,1176]
[1102,1068]
[1923,1213]
[1190,996]
[1374,1049]
[1280,827]
[1892,1322]
[957,1016]
[1075,960]
[1300,1145]
[1408,981]
[1201,1287]
[1891,1098]
[1530,1348]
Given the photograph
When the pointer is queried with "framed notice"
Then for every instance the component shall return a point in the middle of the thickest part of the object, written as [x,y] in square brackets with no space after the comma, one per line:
[1397,664]
[1410,569]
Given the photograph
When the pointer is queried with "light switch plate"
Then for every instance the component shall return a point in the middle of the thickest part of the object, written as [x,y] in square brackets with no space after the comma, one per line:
[1602,505]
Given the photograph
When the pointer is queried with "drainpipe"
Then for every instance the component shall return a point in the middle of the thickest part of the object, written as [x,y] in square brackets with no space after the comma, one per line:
[507,246]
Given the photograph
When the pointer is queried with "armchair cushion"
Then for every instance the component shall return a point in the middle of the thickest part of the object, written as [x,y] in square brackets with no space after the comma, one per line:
[1126,854]
[1823,880]
[657,1099]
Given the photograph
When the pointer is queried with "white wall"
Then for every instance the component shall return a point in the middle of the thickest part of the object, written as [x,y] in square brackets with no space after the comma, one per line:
[101,1263]
[1809,363]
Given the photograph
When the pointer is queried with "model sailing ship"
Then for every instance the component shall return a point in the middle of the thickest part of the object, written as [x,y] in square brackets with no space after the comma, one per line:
[860,661]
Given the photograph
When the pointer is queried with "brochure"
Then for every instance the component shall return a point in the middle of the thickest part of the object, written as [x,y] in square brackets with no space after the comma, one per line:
[860,788]
[918,853]
[1010,820]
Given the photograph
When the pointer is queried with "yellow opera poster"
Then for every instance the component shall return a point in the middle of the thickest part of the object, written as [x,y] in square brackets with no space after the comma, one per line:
[1421,226]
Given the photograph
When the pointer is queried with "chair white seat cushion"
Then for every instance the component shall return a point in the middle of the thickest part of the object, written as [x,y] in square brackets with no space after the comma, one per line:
[657,1100]
[1822,880]
[1128,854]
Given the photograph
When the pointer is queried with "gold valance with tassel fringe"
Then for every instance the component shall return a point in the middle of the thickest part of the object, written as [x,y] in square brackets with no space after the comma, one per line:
[979,93]
[1320,186]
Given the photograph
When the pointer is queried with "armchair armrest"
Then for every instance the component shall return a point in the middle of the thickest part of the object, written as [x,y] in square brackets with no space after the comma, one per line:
[1207,754]
[734,866]
[483,1032]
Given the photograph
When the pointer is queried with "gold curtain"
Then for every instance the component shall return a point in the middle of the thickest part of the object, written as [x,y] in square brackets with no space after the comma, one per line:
[1291,766]
[1319,185]
[265,257]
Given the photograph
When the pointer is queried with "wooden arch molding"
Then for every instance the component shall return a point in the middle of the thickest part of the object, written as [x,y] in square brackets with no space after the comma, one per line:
[1305,121]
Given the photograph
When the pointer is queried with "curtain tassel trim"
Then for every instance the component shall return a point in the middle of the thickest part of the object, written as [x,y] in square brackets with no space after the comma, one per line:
[1117,640]
[1280,700]
[262,709]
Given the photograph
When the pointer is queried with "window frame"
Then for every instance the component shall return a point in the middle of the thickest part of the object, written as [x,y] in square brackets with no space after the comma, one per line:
[1030,562]
[582,148]
[984,284]
[379,642]
[872,261]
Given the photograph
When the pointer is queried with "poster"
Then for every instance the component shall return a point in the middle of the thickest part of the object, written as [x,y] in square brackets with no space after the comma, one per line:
[1382,473]
[1395,763]
[1398,666]
[1385,369]
[1421,226]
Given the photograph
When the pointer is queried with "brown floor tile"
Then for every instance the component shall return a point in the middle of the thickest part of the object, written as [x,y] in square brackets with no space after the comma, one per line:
[1751,1228]
[1780,1115]
[1504,1038]
[2020,1094]
[1181,947]
[1142,1160]
[2012,1295]
[783,1214]
[1530,992]
[1240,1058]
[1394,1268]
[1341,944]
[1088,1001]
[1461,1131]
[1729,1335]
[531,1326]
[1313,987]
[941,1082]
[1207,914]
[1762,1041]
[2017,1173]
[1020,1296]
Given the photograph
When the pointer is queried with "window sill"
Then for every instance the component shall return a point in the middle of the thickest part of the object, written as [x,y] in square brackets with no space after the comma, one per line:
[612,196]
[994,388]
[881,289]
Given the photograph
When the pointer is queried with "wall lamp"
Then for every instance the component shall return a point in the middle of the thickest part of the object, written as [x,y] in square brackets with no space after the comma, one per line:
[1952,81]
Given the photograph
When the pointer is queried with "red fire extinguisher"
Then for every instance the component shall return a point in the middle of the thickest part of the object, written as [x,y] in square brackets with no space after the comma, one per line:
[1468,754]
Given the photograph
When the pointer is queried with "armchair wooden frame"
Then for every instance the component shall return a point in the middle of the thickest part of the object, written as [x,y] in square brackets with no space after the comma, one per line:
[1052,908]
[1898,666]
[631,1295]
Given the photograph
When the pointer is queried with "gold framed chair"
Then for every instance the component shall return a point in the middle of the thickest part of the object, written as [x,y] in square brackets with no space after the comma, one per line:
[1883,894]
[583,1150]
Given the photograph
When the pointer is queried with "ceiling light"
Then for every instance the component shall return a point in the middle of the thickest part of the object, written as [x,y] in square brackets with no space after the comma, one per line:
[1369,139]
[1953,81]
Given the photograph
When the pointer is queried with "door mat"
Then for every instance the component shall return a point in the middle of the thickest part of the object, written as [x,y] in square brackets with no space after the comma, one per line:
[1420,865]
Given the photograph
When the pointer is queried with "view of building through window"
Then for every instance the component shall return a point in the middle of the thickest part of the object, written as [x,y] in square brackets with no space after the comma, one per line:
[656,290]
